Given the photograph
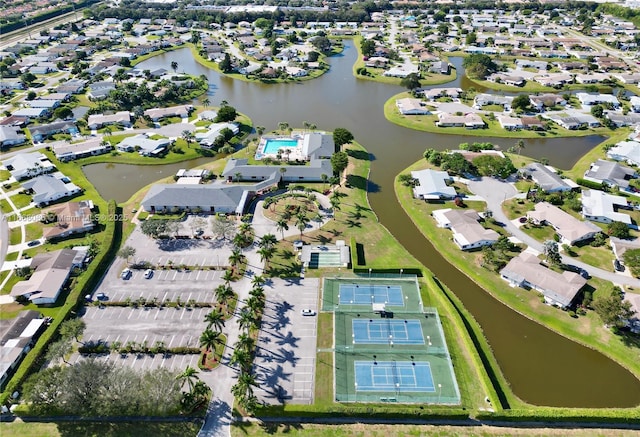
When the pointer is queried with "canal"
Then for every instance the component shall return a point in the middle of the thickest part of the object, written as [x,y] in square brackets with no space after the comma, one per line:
[542,367]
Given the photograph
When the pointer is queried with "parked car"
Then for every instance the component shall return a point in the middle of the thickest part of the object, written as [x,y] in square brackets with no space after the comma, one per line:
[33,243]
[126,273]
[101,296]
[308,312]
[148,274]
[617,265]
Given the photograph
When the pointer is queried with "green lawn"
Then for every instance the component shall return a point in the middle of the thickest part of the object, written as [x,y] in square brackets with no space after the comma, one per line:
[64,429]
[21,200]
[15,236]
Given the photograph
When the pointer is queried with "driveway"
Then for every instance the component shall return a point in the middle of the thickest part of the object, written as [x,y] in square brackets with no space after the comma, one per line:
[495,192]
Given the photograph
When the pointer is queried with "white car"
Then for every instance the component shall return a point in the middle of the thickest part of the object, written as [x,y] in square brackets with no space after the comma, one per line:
[148,274]
[308,312]
[125,274]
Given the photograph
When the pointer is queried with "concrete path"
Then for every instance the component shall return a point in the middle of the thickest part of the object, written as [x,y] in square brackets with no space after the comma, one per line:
[495,192]
[4,237]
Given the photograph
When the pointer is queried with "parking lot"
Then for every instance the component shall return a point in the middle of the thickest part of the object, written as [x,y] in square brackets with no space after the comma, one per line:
[175,363]
[286,352]
[174,327]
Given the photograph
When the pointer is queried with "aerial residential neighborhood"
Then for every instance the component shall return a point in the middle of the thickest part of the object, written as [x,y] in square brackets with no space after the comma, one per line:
[249,219]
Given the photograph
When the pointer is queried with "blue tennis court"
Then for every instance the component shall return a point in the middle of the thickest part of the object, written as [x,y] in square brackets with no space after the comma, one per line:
[394,376]
[363,294]
[382,331]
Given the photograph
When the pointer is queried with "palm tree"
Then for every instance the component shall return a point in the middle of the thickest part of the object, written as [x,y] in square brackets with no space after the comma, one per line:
[255,305]
[223,294]
[209,339]
[247,381]
[519,146]
[227,277]
[282,225]
[189,376]
[335,202]
[215,319]
[200,391]
[283,126]
[266,253]
[258,293]
[258,281]
[312,126]
[245,342]
[206,102]
[224,103]
[245,320]
[188,136]
[174,66]
[236,257]
[260,130]
[301,222]
[240,357]
[306,125]
[318,219]
[268,240]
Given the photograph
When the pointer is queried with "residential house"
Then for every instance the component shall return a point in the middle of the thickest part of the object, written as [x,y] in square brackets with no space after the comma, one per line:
[207,139]
[542,101]
[42,132]
[100,90]
[317,145]
[432,185]
[434,93]
[50,187]
[620,246]
[17,337]
[28,165]
[532,123]
[529,63]
[241,170]
[470,121]
[11,136]
[631,78]
[71,218]
[158,114]
[73,86]
[122,118]
[31,113]
[145,145]
[510,123]
[602,207]
[208,198]
[591,77]
[554,79]
[468,234]
[14,121]
[490,99]
[610,173]
[69,152]
[626,151]
[507,79]
[569,229]
[621,120]
[559,289]
[409,106]
[587,100]
[46,104]
[547,178]
[52,270]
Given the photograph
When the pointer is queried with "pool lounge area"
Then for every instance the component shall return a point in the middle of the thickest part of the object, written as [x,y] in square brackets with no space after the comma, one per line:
[269,147]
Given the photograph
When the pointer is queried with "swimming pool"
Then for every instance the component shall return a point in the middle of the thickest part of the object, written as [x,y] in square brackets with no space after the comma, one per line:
[272,145]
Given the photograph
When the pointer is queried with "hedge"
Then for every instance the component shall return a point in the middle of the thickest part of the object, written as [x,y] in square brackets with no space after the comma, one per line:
[580,415]
[84,285]
[589,184]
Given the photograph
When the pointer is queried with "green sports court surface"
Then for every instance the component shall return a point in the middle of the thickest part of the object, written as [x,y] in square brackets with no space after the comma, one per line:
[398,354]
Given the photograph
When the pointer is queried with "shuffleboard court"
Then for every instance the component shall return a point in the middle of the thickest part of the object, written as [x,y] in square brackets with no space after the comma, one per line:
[366,294]
[394,376]
[382,331]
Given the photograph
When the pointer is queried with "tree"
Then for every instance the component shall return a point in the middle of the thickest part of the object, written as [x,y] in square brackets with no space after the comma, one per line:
[59,349]
[268,240]
[215,319]
[242,358]
[631,259]
[174,66]
[188,136]
[618,230]
[189,376]
[72,328]
[368,47]
[282,225]
[341,136]
[551,252]
[479,66]
[209,339]
[206,102]
[283,126]
[301,223]
[225,64]
[236,257]
[471,38]
[225,114]
[266,253]
[154,228]
[521,103]
[222,227]
[62,112]
[126,253]
[27,78]
[321,43]
[411,82]
[339,162]
[223,294]
[520,146]
[613,310]
[597,111]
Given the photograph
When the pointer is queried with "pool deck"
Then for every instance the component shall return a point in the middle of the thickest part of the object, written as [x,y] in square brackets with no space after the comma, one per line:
[295,154]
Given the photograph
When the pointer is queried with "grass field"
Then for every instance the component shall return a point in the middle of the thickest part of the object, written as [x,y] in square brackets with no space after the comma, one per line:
[69,429]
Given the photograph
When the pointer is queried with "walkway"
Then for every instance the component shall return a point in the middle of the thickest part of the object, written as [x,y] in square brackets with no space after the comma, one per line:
[495,192]
[4,237]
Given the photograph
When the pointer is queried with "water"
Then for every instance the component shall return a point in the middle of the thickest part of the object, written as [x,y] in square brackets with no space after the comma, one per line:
[272,145]
[541,366]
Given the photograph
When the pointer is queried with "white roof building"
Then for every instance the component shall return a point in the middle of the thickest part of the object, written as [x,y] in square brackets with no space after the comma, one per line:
[432,184]
[602,207]
[626,151]
[570,229]
[467,232]
[28,165]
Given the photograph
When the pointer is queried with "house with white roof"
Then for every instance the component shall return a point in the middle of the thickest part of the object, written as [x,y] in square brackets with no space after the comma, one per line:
[468,234]
[610,173]
[432,184]
[317,145]
[602,207]
[625,151]
[122,118]
[31,112]
[570,229]
[157,114]
[634,102]
[409,106]
[547,178]
[50,187]
[9,136]
[510,123]
[71,151]
[207,139]
[469,121]
[587,99]
[559,289]
[52,270]
[28,165]
[145,145]
[491,99]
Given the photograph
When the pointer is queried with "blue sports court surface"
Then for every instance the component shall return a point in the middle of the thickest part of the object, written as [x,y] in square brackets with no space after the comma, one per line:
[364,294]
[393,376]
[383,331]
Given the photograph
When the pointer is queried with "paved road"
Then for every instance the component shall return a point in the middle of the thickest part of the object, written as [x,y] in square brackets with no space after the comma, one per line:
[495,192]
